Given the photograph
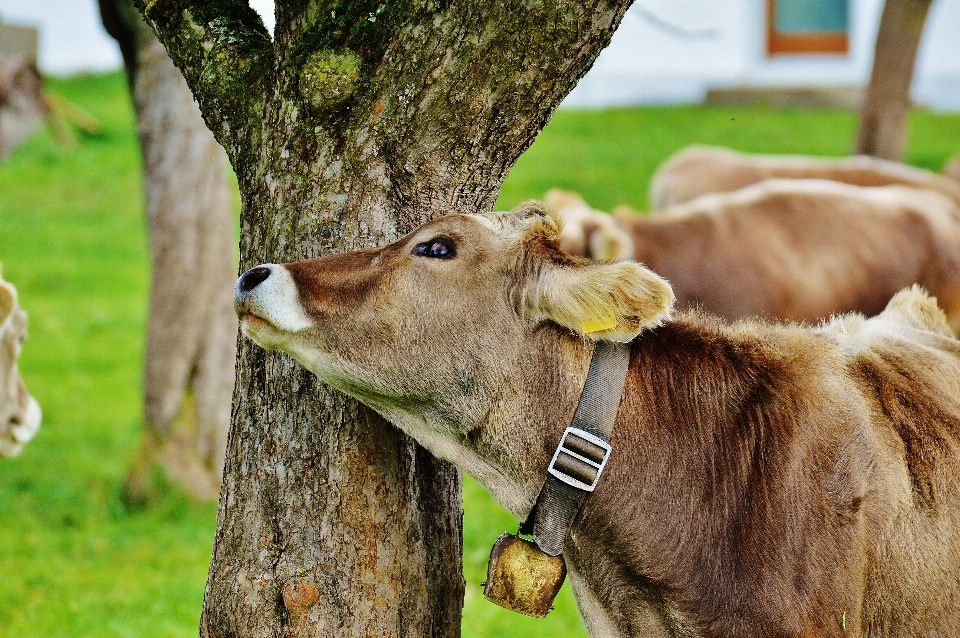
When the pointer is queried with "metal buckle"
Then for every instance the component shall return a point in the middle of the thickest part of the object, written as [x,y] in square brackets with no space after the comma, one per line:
[582,457]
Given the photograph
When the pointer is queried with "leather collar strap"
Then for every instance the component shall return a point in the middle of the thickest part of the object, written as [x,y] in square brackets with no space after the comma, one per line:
[583,450]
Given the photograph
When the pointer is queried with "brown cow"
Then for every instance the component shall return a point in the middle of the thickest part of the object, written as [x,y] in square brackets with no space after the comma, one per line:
[19,412]
[766,479]
[952,169]
[699,170]
[588,232]
[796,249]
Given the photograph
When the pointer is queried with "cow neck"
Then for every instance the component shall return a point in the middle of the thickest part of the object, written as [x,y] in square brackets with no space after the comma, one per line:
[582,453]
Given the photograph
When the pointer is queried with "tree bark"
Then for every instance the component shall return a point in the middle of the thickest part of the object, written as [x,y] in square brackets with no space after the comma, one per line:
[883,118]
[358,122]
[191,338]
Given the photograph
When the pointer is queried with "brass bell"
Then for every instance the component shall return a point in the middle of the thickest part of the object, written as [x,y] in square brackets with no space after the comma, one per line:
[521,578]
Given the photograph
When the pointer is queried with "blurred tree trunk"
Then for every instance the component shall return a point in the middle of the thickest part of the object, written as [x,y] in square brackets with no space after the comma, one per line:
[191,339]
[883,118]
[356,123]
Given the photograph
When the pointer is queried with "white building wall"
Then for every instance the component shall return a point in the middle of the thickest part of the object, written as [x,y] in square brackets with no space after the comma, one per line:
[666,51]
[72,38]
[937,79]
[722,44]
[650,63]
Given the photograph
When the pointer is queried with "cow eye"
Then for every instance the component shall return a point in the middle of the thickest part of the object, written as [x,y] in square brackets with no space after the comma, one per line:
[438,248]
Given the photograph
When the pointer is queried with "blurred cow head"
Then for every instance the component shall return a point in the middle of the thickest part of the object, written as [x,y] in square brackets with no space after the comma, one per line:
[19,412]
[587,232]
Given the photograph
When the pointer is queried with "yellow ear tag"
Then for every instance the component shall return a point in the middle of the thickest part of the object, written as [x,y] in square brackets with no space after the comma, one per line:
[598,325]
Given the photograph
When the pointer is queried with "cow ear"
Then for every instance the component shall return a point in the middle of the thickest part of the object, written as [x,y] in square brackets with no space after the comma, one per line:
[613,302]
[8,299]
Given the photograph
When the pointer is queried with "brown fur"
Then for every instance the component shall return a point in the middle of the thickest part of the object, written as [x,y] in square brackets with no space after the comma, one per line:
[19,412]
[700,170]
[802,249]
[588,232]
[952,169]
[766,480]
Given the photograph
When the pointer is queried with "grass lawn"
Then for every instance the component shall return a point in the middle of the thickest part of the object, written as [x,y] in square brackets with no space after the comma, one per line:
[73,561]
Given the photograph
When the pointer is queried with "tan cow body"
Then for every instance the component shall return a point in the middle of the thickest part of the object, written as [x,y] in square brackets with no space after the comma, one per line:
[952,169]
[19,412]
[796,249]
[766,480]
[700,170]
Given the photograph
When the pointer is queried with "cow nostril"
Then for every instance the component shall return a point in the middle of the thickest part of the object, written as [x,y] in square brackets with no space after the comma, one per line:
[253,278]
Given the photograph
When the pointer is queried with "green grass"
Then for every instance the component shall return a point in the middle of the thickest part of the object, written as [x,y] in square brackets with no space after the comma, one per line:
[73,561]
[610,155]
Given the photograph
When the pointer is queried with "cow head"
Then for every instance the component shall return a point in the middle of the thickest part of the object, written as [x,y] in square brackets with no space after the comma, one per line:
[587,232]
[430,322]
[19,412]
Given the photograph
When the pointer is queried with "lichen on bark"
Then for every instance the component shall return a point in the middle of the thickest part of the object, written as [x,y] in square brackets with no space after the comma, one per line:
[329,79]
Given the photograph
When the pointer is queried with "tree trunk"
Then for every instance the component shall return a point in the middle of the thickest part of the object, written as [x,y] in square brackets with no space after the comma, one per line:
[883,118]
[357,123]
[191,339]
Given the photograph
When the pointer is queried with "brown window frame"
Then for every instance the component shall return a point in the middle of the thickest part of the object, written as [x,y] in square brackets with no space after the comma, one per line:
[779,43]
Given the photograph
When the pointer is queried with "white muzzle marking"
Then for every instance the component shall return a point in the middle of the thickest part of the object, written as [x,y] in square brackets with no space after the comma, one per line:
[12,442]
[274,300]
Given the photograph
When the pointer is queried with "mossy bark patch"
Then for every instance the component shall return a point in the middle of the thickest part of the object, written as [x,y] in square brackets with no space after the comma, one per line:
[329,79]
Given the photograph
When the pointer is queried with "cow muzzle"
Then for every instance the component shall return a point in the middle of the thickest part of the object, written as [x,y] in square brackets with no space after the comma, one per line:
[266,301]
[21,429]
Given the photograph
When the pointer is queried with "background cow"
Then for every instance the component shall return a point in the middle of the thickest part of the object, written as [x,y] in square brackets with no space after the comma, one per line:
[588,232]
[795,249]
[19,412]
[699,170]
[22,103]
[952,169]
[766,480]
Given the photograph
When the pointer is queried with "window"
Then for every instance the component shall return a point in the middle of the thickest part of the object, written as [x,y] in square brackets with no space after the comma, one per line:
[807,26]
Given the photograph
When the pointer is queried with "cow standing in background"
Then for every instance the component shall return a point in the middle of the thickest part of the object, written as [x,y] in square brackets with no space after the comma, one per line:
[700,170]
[765,480]
[19,412]
[22,103]
[952,169]
[794,249]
